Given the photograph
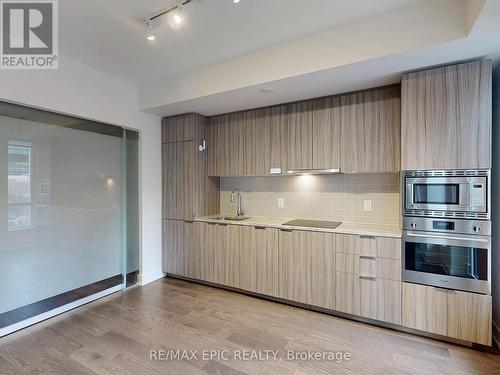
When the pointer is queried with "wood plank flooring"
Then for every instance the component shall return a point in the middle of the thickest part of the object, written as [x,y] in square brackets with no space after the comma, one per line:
[116,334]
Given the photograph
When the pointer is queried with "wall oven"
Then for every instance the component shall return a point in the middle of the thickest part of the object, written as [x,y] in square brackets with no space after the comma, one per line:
[447,253]
[449,193]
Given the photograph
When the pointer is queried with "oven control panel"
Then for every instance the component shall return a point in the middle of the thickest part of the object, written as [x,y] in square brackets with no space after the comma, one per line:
[447,225]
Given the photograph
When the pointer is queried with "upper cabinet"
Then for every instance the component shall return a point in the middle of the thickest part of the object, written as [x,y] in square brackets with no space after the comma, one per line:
[299,136]
[371,131]
[246,143]
[446,117]
[358,132]
[262,130]
[326,133]
[179,128]
[187,190]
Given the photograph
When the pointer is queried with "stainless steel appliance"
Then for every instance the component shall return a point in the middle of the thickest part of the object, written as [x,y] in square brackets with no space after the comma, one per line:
[448,193]
[447,253]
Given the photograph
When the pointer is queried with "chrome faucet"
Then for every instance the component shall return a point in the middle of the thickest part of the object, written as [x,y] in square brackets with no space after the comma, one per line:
[236,193]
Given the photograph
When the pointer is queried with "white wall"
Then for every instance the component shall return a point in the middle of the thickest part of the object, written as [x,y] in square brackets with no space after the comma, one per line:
[81,91]
[495,267]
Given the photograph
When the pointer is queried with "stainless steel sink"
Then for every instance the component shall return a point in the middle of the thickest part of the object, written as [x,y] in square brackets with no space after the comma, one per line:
[232,218]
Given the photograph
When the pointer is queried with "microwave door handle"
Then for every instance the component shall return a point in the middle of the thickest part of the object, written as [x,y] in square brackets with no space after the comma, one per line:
[447,237]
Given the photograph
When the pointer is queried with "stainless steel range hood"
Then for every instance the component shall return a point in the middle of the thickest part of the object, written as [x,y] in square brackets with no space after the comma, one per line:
[312,171]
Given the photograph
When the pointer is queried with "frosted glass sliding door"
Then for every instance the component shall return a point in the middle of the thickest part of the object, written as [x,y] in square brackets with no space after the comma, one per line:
[62,212]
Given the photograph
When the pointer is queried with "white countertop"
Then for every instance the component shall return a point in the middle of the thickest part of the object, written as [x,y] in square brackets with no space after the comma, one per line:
[378,230]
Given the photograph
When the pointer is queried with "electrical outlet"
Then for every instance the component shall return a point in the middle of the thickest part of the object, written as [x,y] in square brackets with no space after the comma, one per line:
[367,205]
[281,203]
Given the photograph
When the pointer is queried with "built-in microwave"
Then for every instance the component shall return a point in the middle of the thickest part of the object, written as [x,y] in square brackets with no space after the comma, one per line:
[448,193]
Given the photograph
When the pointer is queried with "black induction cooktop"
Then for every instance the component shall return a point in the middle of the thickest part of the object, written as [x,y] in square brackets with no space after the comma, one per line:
[313,223]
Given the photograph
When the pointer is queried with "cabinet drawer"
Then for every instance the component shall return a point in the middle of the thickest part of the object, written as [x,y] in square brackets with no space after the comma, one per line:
[369,297]
[461,315]
[384,268]
[369,246]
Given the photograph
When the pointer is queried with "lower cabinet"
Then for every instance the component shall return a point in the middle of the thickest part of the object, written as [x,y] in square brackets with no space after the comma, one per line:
[461,315]
[351,274]
[307,267]
[259,260]
[369,297]
[180,257]
[241,257]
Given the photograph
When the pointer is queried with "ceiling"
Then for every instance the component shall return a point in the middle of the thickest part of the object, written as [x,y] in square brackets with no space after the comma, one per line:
[110,34]
[225,54]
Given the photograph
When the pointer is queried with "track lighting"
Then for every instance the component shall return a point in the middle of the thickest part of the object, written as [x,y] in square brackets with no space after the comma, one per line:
[149,32]
[175,18]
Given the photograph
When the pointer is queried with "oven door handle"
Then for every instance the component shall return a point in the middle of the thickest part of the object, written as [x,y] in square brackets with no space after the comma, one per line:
[447,237]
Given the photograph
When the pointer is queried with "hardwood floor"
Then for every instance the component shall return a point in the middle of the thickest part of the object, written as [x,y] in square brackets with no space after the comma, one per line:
[116,334]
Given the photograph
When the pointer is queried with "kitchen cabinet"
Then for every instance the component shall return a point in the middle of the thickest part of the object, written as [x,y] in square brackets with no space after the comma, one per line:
[262,130]
[368,277]
[446,117]
[298,140]
[241,257]
[307,267]
[326,133]
[226,252]
[259,260]
[369,296]
[179,128]
[226,145]
[461,315]
[187,190]
[246,143]
[383,247]
[371,131]
[178,180]
[180,254]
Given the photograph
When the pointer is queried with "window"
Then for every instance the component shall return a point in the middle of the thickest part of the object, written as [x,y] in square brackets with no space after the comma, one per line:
[19,186]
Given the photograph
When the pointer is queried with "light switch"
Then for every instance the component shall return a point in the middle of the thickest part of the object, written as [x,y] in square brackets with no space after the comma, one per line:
[367,205]
[281,203]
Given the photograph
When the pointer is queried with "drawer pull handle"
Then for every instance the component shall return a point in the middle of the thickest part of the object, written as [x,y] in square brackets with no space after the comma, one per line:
[260,228]
[366,237]
[367,277]
[368,257]
[285,230]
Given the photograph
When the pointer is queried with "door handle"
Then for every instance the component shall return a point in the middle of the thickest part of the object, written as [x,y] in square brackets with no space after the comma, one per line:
[367,277]
[447,237]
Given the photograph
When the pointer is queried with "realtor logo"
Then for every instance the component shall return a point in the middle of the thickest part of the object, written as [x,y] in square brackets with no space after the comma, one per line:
[29,37]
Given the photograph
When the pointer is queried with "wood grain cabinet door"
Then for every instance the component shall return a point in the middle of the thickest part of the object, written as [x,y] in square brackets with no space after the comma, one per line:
[169,162]
[322,270]
[179,128]
[184,180]
[446,117]
[170,259]
[294,266]
[469,317]
[425,308]
[371,131]
[225,145]
[261,140]
[178,180]
[299,136]
[265,248]
[326,133]
[209,250]
[348,294]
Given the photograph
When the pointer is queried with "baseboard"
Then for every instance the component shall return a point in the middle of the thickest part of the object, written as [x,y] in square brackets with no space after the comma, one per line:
[496,335]
[144,279]
[60,310]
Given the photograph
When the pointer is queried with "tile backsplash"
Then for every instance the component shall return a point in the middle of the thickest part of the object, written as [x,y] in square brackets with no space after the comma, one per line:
[323,197]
